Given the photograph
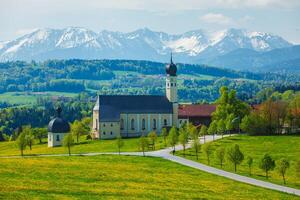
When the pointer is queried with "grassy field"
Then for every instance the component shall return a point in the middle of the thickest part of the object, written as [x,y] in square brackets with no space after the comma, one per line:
[117,177]
[24,98]
[256,146]
[84,146]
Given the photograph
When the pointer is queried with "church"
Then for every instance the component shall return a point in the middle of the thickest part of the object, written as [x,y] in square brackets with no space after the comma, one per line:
[136,115]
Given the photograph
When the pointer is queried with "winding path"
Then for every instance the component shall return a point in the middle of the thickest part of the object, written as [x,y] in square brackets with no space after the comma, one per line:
[166,154]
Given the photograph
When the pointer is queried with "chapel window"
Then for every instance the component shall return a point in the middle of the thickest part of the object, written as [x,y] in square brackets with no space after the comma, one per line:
[143,124]
[165,122]
[154,123]
[57,138]
[132,124]
[122,124]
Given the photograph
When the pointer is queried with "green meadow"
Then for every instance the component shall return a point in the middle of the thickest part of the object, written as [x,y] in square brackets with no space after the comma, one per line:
[256,146]
[83,146]
[24,98]
[117,177]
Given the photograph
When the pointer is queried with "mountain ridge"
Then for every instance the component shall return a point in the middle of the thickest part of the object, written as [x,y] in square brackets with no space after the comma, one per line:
[142,44]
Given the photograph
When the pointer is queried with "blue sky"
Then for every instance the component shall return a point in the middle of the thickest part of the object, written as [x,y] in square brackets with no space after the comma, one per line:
[281,17]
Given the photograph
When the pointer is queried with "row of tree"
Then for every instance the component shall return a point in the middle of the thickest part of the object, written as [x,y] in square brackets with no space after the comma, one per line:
[274,116]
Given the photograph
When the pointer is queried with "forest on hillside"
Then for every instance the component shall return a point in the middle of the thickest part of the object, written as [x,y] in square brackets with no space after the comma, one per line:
[196,82]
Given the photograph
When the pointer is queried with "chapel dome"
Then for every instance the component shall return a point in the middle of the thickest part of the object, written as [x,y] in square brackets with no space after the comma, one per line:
[171,68]
[58,124]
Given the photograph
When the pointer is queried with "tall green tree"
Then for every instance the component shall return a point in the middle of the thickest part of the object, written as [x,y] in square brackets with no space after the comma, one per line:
[298,169]
[207,151]
[77,129]
[267,164]
[143,143]
[173,138]
[153,137]
[221,127]
[183,138]
[196,146]
[250,163]
[229,123]
[164,134]
[235,156]
[29,137]
[203,131]
[220,154]
[119,143]
[283,165]
[21,142]
[40,133]
[68,142]
[212,129]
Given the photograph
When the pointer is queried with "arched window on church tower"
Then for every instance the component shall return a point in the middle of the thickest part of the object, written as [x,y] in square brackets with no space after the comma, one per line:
[154,124]
[132,124]
[143,124]
[122,124]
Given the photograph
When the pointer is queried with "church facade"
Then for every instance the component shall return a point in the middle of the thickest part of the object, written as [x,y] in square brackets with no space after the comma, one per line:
[136,115]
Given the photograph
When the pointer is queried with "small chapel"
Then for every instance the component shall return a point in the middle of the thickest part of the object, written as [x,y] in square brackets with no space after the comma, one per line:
[136,115]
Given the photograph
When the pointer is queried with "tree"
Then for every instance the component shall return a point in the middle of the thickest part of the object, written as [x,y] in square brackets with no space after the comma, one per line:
[77,129]
[207,151]
[250,163]
[221,127]
[152,136]
[39,133]
[143,144]
[298,169]
[173,138]
[29,137]
[119,143]
[284,164]
[87,123]
[183,138]
[212,129]
[68,142]
[220,154]
[21,142]
[229,123]
[203,132]
[164,133]
[267,164]
[193,132]
[235,156]
[196,147]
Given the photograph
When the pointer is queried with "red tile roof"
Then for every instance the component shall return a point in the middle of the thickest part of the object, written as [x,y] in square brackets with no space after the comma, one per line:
[196,110]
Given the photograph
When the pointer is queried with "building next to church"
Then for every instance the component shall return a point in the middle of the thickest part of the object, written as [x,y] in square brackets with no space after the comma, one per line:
[135,115]
[197,114]
[57,129]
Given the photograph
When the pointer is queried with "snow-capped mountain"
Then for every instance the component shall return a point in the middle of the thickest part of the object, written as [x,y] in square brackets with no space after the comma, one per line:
[142,44]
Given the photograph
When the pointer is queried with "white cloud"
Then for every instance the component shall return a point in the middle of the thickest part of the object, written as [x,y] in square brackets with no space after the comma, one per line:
[152,5]
[216,18]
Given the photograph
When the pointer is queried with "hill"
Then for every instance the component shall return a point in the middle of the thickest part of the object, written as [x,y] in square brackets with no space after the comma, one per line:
[277,60]
[196,82]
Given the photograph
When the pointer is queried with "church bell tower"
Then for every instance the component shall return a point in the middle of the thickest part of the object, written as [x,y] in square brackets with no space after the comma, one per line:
[171,89]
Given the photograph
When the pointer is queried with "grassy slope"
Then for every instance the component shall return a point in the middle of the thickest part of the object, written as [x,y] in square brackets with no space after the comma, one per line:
[84,146]
[29,97]
[117,177]
[256,146]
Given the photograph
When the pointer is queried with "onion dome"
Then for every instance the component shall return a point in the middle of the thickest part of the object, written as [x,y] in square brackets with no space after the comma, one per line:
[171,68]
[58,125]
